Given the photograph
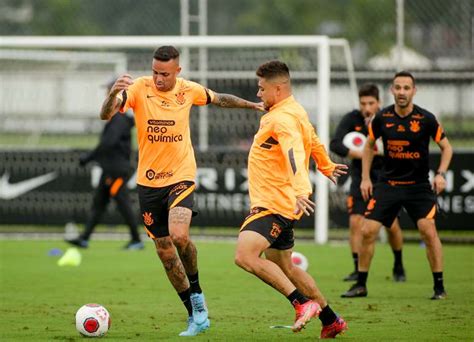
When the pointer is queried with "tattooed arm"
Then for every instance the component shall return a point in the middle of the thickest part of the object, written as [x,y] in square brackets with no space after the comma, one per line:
[110,106]
[111,103]
[232,101]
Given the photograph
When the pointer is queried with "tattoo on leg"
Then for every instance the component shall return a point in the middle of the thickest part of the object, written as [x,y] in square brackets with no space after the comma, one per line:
[180,215]
[172,264]
[188,256]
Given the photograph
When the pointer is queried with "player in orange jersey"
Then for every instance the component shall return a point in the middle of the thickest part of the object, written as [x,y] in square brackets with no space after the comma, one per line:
[167,167]
[279,188]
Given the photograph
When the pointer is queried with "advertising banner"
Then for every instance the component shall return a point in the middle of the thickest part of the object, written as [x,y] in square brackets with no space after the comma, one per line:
[49,188]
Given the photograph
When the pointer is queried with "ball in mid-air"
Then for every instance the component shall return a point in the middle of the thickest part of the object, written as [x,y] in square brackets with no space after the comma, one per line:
[299,260]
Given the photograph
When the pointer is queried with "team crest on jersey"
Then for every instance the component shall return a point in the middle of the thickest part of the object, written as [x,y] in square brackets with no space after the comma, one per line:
[415,126]
[180,99]
[401,128]
[147,219]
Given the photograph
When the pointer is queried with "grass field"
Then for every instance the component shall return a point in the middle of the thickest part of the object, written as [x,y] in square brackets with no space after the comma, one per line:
[39,299]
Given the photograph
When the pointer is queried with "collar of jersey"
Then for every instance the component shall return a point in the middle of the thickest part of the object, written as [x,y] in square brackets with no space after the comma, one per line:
[282,102]
[406,116]
[155,90]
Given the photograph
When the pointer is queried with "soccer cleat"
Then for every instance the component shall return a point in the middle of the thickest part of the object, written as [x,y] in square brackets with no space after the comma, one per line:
[399,274]
[194,329]
[356,290]
[134,245]
[439,294]
[331,330]
[351,277]
[304,313]
[200,313]
[78,242]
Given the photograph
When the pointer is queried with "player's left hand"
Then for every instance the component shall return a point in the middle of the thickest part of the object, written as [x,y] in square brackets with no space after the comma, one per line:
[338,172]
[305,205]
[439,184]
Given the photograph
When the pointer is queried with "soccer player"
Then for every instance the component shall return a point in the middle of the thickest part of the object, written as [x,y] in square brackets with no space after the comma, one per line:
[356,121]
[406,130]
[279,190]
[167,167]
[113,155]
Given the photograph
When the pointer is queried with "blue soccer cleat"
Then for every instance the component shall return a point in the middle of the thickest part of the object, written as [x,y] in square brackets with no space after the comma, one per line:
[194,329]
[200,313]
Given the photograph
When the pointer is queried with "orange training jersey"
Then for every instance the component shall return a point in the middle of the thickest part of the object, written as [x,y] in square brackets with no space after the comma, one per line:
[278,166]
[166,155]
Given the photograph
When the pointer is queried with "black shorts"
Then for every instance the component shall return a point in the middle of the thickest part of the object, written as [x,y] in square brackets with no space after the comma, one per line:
[278,230]
[418,200]
[155,204]
[356,204]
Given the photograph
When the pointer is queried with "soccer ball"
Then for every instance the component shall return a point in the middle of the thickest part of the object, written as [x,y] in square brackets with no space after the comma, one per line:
[92,320]
[299,260]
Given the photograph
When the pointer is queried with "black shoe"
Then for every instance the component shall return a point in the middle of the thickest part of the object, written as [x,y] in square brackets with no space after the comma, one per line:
[399,274]
[356,290]
[81,243]
[439,294]
[351,277]
[134,245]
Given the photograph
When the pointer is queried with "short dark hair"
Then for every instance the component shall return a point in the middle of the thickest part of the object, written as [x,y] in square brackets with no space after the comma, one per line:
[166,53]
[404,73]
[369,89]
[273,69]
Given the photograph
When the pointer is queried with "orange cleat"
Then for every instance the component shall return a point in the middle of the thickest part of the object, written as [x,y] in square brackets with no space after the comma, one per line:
[304,313]
[331,330]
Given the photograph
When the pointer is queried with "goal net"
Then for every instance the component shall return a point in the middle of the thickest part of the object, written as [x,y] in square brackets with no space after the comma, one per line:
[52,90]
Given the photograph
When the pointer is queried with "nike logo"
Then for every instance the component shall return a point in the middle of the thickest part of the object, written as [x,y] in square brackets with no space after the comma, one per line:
[10,191]
[149,96]
[179,192]
[389,125]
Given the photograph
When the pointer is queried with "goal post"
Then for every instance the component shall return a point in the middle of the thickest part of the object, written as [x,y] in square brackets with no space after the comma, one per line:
[318,51]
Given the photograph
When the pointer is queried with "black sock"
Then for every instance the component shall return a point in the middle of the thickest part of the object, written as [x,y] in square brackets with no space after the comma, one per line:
[362,278]
[398,258]
[194,282]
[438,281]
[186,299]
[355,258]
[296,297]
[327,316]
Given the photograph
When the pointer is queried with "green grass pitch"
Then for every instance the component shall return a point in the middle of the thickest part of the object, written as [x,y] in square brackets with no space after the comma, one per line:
[39,299]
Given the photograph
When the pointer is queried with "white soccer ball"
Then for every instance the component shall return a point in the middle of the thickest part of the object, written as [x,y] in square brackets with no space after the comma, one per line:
[92,320]
[356,141]
[299,260]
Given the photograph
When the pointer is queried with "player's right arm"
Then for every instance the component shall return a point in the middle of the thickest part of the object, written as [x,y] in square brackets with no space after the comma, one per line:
[366,187]
[112,103]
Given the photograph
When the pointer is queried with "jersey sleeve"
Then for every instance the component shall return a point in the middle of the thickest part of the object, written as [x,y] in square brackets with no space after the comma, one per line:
[201,95]
[290,139]
[319,154]
[436,130]
[375,127]
[345,126]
